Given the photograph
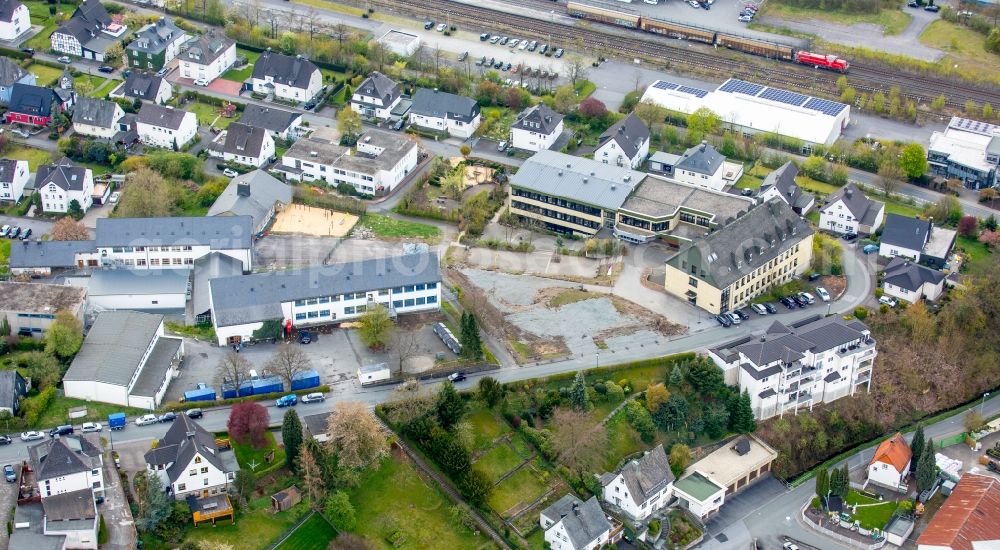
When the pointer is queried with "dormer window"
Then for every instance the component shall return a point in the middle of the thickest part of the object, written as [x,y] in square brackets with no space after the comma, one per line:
[197,460]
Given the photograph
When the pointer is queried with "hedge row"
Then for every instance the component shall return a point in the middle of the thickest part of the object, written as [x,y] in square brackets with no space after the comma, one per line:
[183,406]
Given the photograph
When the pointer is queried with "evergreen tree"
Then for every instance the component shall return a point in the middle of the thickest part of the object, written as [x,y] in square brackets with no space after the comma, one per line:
[833,482]
[578,393]
[742,414]
[917,447]
[926,469]
[472,344]
[676,377]
[450,406]
[291,436]
[845,481]
[822,482]
[4,326]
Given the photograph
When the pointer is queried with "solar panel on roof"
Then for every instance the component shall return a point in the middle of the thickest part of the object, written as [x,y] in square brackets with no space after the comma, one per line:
[740,86]
[664,85]
[824,106]
[783,96]
[693,91]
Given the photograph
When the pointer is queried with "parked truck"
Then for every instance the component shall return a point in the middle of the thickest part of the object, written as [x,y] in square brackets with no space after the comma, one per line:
[116,421]
[305,380]
[201,393]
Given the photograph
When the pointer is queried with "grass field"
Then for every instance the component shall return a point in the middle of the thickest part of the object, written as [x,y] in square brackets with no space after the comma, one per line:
[584,88]
[977,257]
[334,6]
[486,427]
[384,226]
[252,531]
[40,16]
[522,487]
[892,21]
[874,516]
[4,255]
[239,75]
[965,48]
[105,88]
[35,157]
[623,440]
[246,455]
[314,534]
[571,296]
[393,497]
[498,461]
[58,411]
[207,113]
[45,75]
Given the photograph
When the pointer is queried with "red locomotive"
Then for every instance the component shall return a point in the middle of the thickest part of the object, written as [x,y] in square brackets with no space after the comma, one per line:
[820,61]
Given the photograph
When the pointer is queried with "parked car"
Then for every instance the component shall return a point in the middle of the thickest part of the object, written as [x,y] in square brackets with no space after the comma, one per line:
[289,400]
[724,320]
[64,59]
[823,294]
[887,301]
[734,318]
[167,417]
[507,67]
[543,49]
[790,546]
[14,233]
[29,51]
[89,427]
[770,308]
[807,298]
[559,53]
[532,45]
[524,45]
[745,18]
[305,337]
[759,309]
[65,429]
[230,173]
[25,234]
[114,197]
[309,106]
[788,302]
[442,27]
[146,420]
[742,314]
[463,56]
[513,43]
[106,69]
[162,71]
[504,40]
[870,249]
[498,64]
[201,82]
[502,146]
[484,37]
[850,237]
[428,25]
[8,473]
[456,377]
[798,301]
[32,436]
[4,230]
[5,440]
[494,40]
[933,9]
[481,60]
[195,413]
[315,397]
[399,124]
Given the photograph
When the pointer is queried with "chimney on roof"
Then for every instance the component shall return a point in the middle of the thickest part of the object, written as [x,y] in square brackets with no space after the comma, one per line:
[576,509]
[704,145]
[243,189]
[848,192]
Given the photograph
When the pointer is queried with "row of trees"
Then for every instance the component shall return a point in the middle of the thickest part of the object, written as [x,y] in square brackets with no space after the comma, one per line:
[287,361]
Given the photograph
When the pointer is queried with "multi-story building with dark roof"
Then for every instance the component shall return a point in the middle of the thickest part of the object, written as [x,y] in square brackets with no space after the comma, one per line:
[207,56]
[625,143]
[848,210]
[439,111]
[166,127]
[280,123]
[62,184]
[14,19]
[287,77]
[11,73]
[144,86]
[155,45]
[88,33]
[376,97]
[536,128]
[14,175]
[642,486]
[189,463]
[97,118]
[244,144]
[781,184]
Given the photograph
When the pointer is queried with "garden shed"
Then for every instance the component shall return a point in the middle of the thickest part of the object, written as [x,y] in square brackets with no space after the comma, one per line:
[283,500]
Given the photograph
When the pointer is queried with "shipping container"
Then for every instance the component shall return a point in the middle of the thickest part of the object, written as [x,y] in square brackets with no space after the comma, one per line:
[200,394]
[272,384]
[246,389]
[305,380]
[116,421]
[229,391]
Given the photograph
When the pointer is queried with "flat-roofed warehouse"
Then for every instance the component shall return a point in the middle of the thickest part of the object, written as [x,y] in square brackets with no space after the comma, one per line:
[752,108]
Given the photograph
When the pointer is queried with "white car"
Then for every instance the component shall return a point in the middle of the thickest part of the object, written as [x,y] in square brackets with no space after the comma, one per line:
[734,318]
[442,27]
[809,299]
[4,230]
[32,436]
[230,173]
[523,45]
[790,546]
[823,294]
[201,82]
[64,59]
[146,419]
[887,301]
[114,197]
[759,309]
[315,397]
[89,427]
[513,43]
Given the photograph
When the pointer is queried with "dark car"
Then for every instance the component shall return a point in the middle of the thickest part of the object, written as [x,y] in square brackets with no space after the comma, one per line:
[484,37]
[742,314]
[724,320]
[787,302]
[934,9]
[29,51]
[14,233]
[106,69]
[746,192]
[456,377]
[8,473]
[428,25]
[912,4]
[799,301]
[195,413]
[61,430]
[25,234]
[167,417]
[850,237]
[498,64]
[305,337]
[463,56]
[399,124]
[770,308]
[309,106]
[5,440]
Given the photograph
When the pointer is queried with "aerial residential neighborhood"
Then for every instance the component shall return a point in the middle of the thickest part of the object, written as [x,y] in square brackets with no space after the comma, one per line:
[517,274]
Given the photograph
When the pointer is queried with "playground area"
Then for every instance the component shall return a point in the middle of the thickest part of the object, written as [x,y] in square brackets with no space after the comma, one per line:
[299,219]
[474,175]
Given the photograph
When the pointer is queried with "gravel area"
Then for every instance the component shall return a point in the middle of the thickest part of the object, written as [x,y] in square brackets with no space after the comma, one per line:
[516,290]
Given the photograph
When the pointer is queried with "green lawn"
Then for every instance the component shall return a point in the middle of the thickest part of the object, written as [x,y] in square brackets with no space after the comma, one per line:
[40,15]
[4,255]
[486,427]
[239,75]
[386,227]
[584,88]
[810,184]
[394,498]
[35,157]
[903,209]
[498,461]
[521,488]
[58,412]
[874,516]
[977,258]
[496,123]
[207,113]
[45,75]
[965,49]
[570,296]
[637,377]
[105,88]
[892,21]
[246,455]
[252,531]
[623,441]
[315,534]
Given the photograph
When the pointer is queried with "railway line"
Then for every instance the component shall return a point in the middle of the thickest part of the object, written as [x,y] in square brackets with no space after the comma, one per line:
[610,40]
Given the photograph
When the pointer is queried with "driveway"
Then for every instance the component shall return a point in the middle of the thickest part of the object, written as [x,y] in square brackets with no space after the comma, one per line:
[38,227]
[115,510]
[8,498]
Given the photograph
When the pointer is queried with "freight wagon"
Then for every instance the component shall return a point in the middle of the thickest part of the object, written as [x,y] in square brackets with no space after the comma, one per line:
[677,30]
[756,47]
[604,13]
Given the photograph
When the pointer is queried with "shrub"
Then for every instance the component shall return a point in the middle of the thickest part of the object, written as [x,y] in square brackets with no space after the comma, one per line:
[861,313]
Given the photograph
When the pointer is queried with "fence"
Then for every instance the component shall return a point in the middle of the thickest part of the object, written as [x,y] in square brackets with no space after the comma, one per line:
[838,537]
[288,532]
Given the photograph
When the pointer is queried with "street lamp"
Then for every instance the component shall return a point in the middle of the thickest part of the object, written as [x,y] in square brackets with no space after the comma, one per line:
[983,403]
[597,358]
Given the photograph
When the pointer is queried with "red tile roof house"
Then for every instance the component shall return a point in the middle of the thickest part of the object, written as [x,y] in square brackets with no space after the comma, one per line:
[891,463]
[32,105]
[968,519]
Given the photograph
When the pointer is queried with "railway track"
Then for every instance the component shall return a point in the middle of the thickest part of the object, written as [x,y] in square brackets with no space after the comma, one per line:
[597,38]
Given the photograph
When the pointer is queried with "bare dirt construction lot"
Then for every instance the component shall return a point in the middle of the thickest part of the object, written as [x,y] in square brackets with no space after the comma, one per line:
[531,313]
[299,219]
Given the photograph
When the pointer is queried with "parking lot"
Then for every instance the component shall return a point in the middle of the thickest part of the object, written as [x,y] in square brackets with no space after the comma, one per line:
[38,227]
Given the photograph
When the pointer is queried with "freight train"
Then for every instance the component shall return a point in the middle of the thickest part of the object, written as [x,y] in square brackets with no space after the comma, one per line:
[622,16]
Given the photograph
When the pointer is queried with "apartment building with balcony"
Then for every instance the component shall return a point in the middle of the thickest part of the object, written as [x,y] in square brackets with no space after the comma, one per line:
[787,368]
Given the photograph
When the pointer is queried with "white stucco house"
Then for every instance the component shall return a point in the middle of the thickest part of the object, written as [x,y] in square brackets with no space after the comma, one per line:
[14,175]
[848,210]
[207,56]
[14,19]
[572,524]
[287,77]
[62,183]
[172,242]
[67,464]
[641,487]
[188,462]
[246,145]
[781,184]
[376,97]
[890,464]
[909,281]
[625,143]
[144,86]
[166,127]
[96,117]
[536,128]
[444,112]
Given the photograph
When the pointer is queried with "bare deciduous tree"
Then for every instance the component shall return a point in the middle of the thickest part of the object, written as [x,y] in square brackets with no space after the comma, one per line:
[233,368]
[288,361]
[355,435]
[405,344]
[576,69]
[581,445]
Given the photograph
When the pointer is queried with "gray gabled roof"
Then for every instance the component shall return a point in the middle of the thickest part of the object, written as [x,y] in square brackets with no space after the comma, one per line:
[154,373]
[155,37]
[142,85]
[162,117]
[178,446]
[906,274]
[244,140]
[252,194]
[701,159]
[539,118]
[647,475]
[438,104]
[62,456]
[12,388]
[584,521]
[380,86]
[258,297]
[789,344]
[29,254]
[861,207]
[629,133]
[214,265]
[8,168]
[64,175]
[7,8]
[10,72]
[206,48]
[220,233]
[783,181]
[73,505]
[578,179]
[114,347]
[266,116]
[742,245]
[291,71]
[911,233]
[95,112]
